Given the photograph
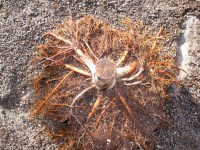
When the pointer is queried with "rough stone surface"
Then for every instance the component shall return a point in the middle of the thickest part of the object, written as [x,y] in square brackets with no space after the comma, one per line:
[189,57]
[22,24]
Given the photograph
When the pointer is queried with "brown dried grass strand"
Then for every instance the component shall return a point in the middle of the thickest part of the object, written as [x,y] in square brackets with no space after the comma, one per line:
[35,112]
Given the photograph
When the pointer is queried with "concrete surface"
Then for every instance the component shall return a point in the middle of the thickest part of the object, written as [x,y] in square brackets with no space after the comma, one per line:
[189,57]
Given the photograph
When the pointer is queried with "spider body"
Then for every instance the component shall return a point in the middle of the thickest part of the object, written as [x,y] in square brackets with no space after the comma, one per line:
[105,74]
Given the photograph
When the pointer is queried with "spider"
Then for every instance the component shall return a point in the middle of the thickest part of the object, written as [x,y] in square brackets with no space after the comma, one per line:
[107,60]
[104,72]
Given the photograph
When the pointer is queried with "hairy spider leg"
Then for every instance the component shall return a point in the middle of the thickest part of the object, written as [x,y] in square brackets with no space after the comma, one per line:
[77,98]
[123,100]
[141,69]
[81,94]
[126,70]
[133,83]
[95,106]
[79,60]
[91,51]
[85,58]
[103,112]
[85,73]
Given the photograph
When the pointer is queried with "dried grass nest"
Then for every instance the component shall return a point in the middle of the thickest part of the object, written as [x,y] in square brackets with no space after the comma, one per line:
[123,116]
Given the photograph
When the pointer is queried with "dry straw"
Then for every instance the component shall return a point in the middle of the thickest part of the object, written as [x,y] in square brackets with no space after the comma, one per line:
[107,86]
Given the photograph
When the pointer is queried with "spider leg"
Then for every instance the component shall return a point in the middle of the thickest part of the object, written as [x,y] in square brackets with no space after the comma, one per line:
[101,115]
[103,112]
[77,98]
[75,57]
[123,71]
[123,100]
[141,69]
[83,57]
[123,58]
[86,59]
[95,106]
[136,82]
[133,83]
[85,73]
[81,94]
[90,50]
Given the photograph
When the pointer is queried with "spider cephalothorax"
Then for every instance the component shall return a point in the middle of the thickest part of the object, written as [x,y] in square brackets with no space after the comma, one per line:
[105,74]
[85,59]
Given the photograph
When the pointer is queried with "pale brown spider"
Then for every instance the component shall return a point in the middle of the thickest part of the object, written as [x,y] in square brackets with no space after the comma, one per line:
[114,63]
[104,72]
